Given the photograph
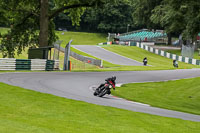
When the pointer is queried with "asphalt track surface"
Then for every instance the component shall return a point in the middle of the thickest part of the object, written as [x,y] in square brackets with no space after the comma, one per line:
[79,86]
[106,55]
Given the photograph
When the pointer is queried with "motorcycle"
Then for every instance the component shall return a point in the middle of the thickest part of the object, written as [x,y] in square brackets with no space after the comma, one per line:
[175,63]
[104,89]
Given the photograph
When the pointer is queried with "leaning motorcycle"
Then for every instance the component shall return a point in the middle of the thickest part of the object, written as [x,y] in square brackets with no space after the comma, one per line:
[105,89]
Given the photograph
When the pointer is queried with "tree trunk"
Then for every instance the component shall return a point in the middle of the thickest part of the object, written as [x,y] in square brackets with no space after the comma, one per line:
[44,22]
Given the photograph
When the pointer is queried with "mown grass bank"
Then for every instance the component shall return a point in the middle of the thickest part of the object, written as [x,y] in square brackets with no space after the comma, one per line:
[181,95]
[81,38]
[25,111]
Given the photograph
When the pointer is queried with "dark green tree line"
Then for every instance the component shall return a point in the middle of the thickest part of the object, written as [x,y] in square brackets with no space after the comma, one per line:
[112,17]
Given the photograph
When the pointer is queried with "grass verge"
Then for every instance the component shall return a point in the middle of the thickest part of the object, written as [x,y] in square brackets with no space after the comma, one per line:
[181,95]
[25,111]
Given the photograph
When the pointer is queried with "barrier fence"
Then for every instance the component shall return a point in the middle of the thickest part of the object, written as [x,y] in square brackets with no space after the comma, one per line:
[169,55]
[28,64]
[128,43]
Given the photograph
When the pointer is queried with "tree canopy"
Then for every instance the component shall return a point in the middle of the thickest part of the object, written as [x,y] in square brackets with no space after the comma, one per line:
[143,12]
[174,16]
[31,21]
[182,16]
[111,17]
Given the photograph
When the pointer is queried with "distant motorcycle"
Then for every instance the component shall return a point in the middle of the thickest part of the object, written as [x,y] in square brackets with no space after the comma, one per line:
[145,61]
[175,63]
[105,88]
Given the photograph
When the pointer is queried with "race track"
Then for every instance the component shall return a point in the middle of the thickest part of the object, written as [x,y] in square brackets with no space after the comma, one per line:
[78,86]
[106,55]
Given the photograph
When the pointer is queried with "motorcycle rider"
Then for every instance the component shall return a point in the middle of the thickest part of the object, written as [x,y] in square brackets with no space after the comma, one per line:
[145,61]
[113,78]
[175,63]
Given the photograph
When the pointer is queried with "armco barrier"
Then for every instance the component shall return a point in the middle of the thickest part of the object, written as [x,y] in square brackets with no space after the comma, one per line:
[127,43]
[38,64]
[28,64]
[49,65]
[7,64]
[23,64]
[169,55]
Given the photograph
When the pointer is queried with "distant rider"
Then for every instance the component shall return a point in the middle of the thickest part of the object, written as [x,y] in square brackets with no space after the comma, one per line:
[175,63]
[145,61]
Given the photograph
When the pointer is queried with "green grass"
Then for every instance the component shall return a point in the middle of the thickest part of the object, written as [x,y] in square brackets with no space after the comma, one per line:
[178,52]
[26,111]
[81,38]
[157,62]
[182,95]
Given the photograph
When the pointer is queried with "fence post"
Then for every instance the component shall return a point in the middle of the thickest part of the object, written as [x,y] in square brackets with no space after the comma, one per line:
[101,63]
[67,53]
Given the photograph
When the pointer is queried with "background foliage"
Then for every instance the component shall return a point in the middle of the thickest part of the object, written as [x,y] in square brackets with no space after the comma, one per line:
[22,17]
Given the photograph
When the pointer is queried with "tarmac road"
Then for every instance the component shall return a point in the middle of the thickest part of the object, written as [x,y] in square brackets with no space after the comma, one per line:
[106,55]
[78,86]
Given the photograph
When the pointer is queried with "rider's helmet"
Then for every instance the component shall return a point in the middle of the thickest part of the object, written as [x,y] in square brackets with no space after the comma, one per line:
[113,78]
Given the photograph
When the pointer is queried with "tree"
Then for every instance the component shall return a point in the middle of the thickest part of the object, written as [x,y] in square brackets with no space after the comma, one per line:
[143,12]
[114,17]
[27,17]
[181,16]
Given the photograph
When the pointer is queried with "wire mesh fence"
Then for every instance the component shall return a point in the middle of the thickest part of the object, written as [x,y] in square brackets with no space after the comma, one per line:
[80,65]
[78,62]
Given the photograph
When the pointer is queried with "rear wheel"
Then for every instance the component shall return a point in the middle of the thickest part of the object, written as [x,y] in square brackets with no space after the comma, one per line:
[95,93]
